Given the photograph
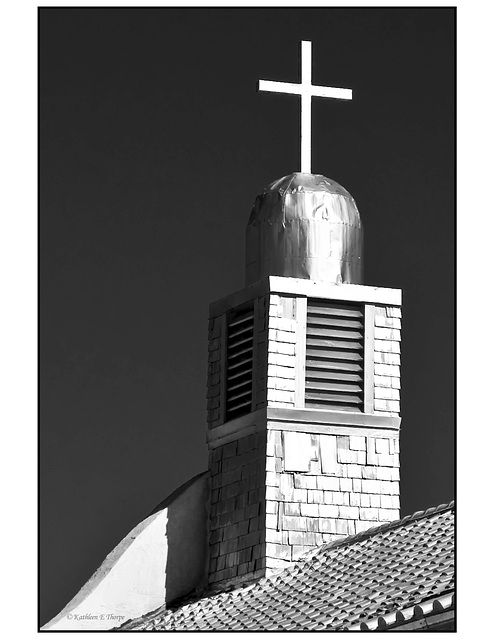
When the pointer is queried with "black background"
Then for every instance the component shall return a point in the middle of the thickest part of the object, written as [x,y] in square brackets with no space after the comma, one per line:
[153,146]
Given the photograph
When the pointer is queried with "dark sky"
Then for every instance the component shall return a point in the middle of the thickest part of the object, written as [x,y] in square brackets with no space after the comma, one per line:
[153,146]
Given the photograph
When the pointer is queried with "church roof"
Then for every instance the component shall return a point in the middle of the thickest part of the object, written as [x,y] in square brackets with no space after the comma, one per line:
[381,578]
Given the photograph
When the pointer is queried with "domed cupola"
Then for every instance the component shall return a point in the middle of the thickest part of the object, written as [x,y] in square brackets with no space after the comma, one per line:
[305,226]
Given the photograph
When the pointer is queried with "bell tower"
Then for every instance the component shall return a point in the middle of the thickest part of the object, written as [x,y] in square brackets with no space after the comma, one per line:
[303,382]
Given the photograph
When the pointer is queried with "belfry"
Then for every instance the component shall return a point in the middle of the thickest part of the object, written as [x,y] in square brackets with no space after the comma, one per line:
[303,378]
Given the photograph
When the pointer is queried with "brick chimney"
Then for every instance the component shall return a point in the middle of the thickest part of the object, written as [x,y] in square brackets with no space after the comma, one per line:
[303,414]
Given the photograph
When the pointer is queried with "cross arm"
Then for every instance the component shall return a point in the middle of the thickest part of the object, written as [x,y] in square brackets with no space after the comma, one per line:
[279,87]
[331,92]
[300,89]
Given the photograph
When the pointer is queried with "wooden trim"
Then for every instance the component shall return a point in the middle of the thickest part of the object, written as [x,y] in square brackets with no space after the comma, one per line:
[333,429]
[369,358]
[238,298]
[215,423]
[254,376]
[323,416]
[300,371]
[237,435]
[305,420]
[341,292]
[237,428]
[223,368]
[310,289]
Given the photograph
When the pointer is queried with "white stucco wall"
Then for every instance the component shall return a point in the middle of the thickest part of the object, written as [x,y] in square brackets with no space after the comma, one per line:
[162,558]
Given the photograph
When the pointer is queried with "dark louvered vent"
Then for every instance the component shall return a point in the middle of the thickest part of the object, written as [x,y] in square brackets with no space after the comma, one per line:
[240,330]
[334,356]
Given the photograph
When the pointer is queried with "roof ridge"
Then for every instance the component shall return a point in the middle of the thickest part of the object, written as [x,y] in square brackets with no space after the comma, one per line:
[436,604]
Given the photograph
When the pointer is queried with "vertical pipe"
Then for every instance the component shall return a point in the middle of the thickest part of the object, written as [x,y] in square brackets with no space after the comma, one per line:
[305,106]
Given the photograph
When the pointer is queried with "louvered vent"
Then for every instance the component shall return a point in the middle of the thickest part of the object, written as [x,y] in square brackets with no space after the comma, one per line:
[240,330]
[334,356]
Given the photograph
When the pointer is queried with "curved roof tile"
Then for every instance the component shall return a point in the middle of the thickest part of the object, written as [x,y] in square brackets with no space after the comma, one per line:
[380,578]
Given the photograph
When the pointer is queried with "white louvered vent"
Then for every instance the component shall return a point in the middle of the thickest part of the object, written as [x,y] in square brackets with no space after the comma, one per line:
[334,356]
[239,366]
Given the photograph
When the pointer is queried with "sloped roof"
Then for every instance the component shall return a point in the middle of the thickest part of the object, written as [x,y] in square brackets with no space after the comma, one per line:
[380,578]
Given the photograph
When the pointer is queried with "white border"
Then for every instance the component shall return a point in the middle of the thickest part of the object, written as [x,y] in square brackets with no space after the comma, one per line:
[18,255]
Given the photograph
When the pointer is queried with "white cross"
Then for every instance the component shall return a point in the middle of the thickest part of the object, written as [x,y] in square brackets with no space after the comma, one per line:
[306,90]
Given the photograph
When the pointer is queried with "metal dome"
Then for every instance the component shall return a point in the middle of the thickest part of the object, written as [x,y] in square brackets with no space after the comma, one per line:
[305,226]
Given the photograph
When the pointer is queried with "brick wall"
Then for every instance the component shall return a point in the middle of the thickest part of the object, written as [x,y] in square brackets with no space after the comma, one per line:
[237,509]
[321,487]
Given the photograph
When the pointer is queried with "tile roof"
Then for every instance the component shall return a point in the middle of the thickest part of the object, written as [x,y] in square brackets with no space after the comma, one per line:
[379,578]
